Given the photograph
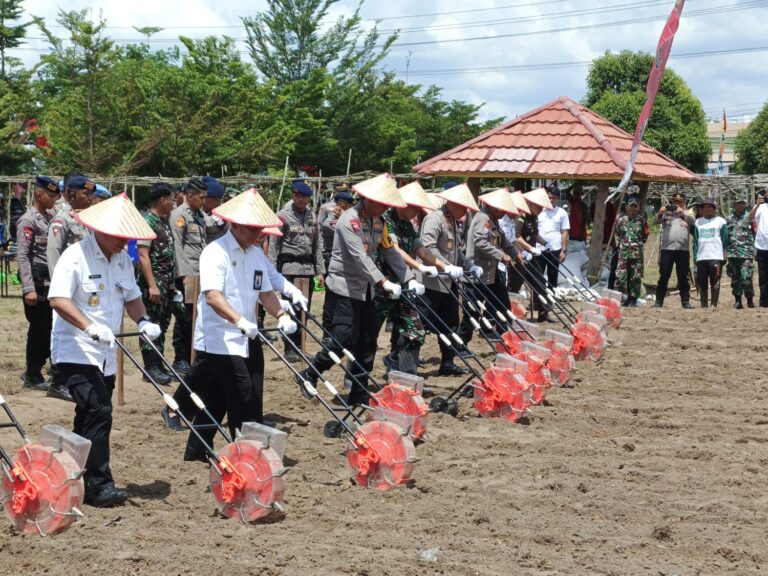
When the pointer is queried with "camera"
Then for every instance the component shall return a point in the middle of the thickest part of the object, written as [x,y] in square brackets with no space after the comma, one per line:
[672,209]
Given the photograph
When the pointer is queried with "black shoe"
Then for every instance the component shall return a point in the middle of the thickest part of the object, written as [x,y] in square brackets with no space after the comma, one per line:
[35,381]
[172,422]
[159,376]
[292,356]
[687,305]
[750,302]
[660,304]
[300,378]
[269,336]
[427,391]
[389,326]
[182,367]
[737,304]
[450,369]
[106,497]
[59,391]
[196,457]
[466,353]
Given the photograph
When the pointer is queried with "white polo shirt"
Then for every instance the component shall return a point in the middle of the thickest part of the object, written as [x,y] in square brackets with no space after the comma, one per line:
[552,222]
[241,275]
[710,243]
[99,288]
[761,235]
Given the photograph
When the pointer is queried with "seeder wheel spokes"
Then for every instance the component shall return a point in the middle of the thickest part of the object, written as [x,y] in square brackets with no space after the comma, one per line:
[382,457]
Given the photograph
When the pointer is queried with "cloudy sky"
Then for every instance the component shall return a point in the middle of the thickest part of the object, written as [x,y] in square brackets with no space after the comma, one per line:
[464,46]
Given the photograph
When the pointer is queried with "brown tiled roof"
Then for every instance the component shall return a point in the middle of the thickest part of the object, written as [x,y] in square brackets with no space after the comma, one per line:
[562,139]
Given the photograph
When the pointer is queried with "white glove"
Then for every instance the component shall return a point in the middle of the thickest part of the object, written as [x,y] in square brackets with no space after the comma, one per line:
[178,297]
[416,288]
[297,298]
[430,271]
[248,328]
[286,325]
[455,272]
[536,251]
[476,271]
[286,306]
[149,329]
[548,246]
[394,289]
[101,333]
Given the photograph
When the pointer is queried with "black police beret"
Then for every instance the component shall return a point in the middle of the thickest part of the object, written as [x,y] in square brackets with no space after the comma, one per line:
[47,183]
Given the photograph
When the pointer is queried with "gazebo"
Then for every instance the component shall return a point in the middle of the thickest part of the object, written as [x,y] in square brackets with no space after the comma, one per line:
[559,140]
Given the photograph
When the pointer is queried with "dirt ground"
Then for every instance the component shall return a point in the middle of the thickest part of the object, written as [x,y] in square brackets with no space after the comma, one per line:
[654,462]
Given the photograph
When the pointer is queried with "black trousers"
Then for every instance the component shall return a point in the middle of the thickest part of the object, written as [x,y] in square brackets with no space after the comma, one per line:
[708,274]
[613,267]
[532,274]
[680,260]
[92,392]
[762,276]
[296,336]
[40,318]
[478,294]
[549,264]
[228,385]
[445,306]
[182,335]
[353,324]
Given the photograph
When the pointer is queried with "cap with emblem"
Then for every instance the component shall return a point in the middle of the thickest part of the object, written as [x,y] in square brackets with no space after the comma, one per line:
[116,217]
[214,187]
[519,200]
[248,209]
[678,196]
[300,186]
[538,197]
[709,200]
[80,182]
[158,190]
[343,196]
[47,184]
[381,190]
[633,201]
[102,192]
[500,199]
[414,195]
[461,195]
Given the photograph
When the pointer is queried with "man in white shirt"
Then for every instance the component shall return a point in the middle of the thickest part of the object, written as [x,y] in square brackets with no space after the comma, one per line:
[235,276]
[92,284]
[710,237]
[554,225]
[759,215]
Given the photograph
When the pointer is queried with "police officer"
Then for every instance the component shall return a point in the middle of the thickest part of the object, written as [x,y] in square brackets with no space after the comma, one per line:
[440,235]
[64,231]
[298,253]
[676,230]
[157,277]
[32,243]
[352,277]
[188,229]
[100,194]
[740,252]
[215,227]
[341,202]
[91,286]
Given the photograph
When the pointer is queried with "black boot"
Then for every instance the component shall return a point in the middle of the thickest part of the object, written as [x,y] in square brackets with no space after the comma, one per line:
[738,305]
[715,296]
[659,303]
[704,297]
[750,301]
[687,305]
[160,377]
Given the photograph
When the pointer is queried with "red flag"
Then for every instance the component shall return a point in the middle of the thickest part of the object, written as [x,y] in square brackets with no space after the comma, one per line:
[654,79]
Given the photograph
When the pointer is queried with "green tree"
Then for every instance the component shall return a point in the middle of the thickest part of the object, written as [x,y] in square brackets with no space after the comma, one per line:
[751,146]
[677,126]
[12,33]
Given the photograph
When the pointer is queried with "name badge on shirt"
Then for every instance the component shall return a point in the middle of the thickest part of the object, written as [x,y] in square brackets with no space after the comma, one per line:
[257,277]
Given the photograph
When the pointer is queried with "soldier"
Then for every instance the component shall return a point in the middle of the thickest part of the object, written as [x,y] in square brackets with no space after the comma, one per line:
[741,254]
[676,229]
[64,231]
[440,235]
[352,277]
[298,253]
[91,288]
[157,276]
[710,237]
[341,202]
[215,227]
[631,233]
[188,229]
[32,243]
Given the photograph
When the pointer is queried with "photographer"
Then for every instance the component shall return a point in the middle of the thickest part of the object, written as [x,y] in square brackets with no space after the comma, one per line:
[676,229]
[759,215]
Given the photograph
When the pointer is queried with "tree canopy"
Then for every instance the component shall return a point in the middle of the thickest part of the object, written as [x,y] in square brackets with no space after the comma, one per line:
[751,145]
[677,126]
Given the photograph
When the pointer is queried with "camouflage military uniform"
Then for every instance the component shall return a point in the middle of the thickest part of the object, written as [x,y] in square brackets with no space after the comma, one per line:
[741,255]
[407,328]
[631,234]
[162,257]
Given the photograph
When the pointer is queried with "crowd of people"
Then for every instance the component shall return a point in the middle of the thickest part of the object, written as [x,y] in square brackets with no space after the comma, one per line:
[217,260]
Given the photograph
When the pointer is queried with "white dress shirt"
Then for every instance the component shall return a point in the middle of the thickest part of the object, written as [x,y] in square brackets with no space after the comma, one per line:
[241,275]
[99,288]
[761,235]
[552,222]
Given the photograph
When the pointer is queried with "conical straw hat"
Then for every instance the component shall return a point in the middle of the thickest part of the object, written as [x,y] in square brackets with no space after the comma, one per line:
[272,231]
[118,217]
[435,201]
[248,209]
[502,200]
[538,197]
[460,195]
[381,190]
[413,195]
[520,203]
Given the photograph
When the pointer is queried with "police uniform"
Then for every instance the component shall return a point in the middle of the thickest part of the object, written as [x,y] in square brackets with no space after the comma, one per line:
[65,230]
[674,252]
[31,255]
[215,227]
[527,228]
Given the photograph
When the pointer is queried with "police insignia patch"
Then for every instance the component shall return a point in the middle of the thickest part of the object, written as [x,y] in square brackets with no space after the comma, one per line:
[56,228]
[355,224]
[28,233]
[180,222]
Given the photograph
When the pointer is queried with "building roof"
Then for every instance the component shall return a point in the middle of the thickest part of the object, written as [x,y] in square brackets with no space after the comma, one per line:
[561,139]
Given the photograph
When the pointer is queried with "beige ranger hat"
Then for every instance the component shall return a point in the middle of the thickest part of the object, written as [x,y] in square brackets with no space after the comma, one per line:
[248,209]
[414,195]
[538,197]
[519,199]
[500,199]
[118,217]
[461,195]
[381,190]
